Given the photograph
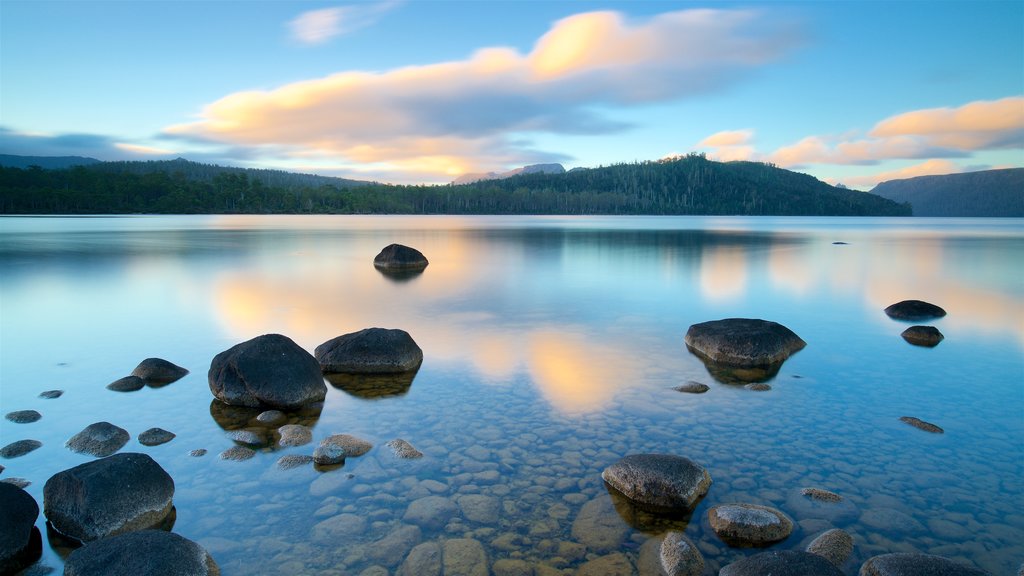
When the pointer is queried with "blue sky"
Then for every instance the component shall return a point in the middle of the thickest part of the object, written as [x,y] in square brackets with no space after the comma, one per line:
[424,91]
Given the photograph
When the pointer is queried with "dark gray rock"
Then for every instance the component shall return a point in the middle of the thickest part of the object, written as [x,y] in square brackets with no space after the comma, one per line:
[914,310]
[927,336]
[99,439]
[19,448]
[23,416]
[373,350]
[680,557]
[267,371]
[20,541]
[159,371]
[834,545]
[403,449]
[659,480]
[197,452]
[113,495]
[51,394]
[749,524]
[127,384]
[16,481]
[913,564]
[692,387]
[743,342]
[397,257]
[143,553]
[155,437]
[921,424]
[781,563]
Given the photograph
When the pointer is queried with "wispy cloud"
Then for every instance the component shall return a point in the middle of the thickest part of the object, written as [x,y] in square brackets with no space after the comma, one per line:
[471,114]
[319,26]
[99,146]
[730,145]
[926,168]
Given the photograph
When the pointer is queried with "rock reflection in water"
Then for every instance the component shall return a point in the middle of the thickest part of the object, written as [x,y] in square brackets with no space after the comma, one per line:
[246,429]
[64,545]
[728,374]
[400,276]
[373,386]
[648,519]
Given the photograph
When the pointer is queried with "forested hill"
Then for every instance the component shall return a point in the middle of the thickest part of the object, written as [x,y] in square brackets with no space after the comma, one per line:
[197,172]
[15,161]
[985,193]
[683,185]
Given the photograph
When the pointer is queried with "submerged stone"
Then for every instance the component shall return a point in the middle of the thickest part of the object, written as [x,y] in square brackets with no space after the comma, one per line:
[781,563]
[821,495]
[19,448]
[921,424]
[680,557]
[51,394]
[914,310]
[289,461]
[237,453]
[749,524]
[99,439]
[23,416]
[403,449]
[294,435]
[397,257]
[659,480]
[904,563]
[155,437]
[127,384]
[267,371]
[834,545]
[159,371]
[692,387]
[142,553]
[373,350]
[928,336]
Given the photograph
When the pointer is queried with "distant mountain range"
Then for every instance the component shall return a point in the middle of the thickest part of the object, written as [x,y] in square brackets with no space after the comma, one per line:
[48,162]
[531,169]
[984,193]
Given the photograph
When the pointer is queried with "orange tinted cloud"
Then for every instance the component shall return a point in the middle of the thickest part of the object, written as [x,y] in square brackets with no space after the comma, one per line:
[975,125]
[927,168]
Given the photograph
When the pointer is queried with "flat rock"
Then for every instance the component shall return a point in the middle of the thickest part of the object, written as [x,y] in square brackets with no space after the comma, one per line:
[403,449]
[165,554]
[914,310]
[397,257]
[197,452]
[465,557]
[599,527]
[16,481]
[659,480]
[834,545]
[921,424]
[271,417]
[237,453]
[159,371]
[370,351]
[352,445]
[430,512]
[914,564]
[155,437]
[692,387]
[19,448]
[338,529]
[99,439]
[267,371]
[20,541]
[927,336]
[680,557]
[758,387]
[480,508]
[112,495]
[51,394]
[423,560]
[257,438]
[389,550]
[127,384]
[743,341]
[289,461]
[294,435]
[820,495]
[781,563]
[749,524]
[23,416]
[329,455]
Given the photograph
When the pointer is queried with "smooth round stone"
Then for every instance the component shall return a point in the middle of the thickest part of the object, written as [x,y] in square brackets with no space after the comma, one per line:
[921,424]
[399,257]
[352,445]
[403,449]
[51,394]
[328,455]
[834,545]
[143,553]
[267,371]
[749,524]
[19,448]
[370,351]
[430,512]
[680,557]
[821,495]
[271,417]
[237,453]
[20,540]
[197,452]
[692,387]
[781,563]
[127,384]
[248,437]
[927,336]
[914,310]
[155,437]
[659,480]
[908,563]
[294,435]
[289,461]
[23,416]
[159,371]
[743,341]
[99,439]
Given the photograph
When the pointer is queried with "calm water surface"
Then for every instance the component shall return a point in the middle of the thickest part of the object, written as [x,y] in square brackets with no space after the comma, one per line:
[551,348]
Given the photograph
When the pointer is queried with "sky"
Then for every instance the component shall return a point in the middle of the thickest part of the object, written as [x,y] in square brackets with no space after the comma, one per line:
[423,91]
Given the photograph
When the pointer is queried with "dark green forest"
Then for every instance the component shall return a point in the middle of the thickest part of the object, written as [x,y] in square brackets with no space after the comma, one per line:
[684,185]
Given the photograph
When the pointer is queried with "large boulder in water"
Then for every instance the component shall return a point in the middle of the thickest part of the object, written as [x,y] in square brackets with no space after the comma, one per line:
[144,553]
[159,371]
[113,495]
[914,310]
[743,342]
[399,258]
[20,541]
[373,350]
[98,439]
[660,481]
[781,563]
[904,563]
[267,371]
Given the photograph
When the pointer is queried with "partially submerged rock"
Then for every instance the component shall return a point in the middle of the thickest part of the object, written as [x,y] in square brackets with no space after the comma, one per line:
[834,545]
[113,495]
[19,448]
[289,461]
[51,394]
[921,424]
[159,371]
[400,258]
[155,437]
[680,557]
[692,387]
[237,453]
[758,387]
[352,445]
[821,495]
[928,336]
[267,371]
[749,524]
[403,449]
[781,563]
[23,416]
[294,435]
[127,384]
[914,310]
[659,480]
[20,541]
[904,563]
[99,439]
[743,341]
[373,350]
[143,553]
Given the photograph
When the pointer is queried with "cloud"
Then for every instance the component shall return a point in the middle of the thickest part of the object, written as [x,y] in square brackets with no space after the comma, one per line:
[97,146]
[319,26]
[478,109]
[983,124]
[730,145]
[926,168]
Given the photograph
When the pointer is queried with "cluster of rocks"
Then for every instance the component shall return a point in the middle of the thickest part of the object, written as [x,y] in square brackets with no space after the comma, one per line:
[152,372]
[914,310]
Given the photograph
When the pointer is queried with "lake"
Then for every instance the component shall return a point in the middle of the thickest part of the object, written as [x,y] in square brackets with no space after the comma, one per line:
[551,349]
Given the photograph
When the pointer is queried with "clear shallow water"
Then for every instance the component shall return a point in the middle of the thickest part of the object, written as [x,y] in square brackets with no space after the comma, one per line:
[551,346]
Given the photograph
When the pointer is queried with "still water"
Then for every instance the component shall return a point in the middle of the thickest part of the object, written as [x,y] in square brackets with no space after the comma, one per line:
[551,348]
